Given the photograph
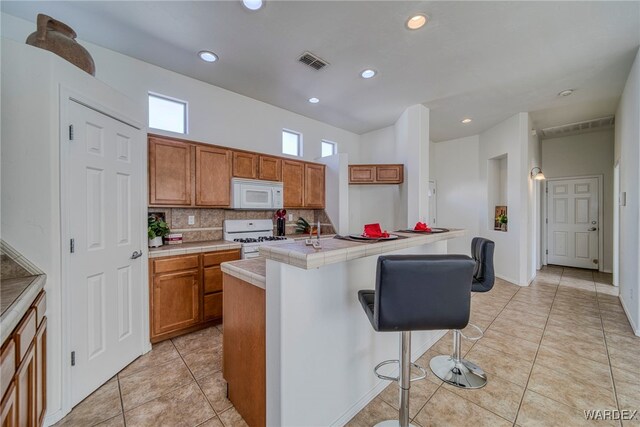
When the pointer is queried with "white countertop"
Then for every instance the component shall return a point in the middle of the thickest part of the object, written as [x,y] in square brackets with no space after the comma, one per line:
[193,248]
[251,270]
[337,250]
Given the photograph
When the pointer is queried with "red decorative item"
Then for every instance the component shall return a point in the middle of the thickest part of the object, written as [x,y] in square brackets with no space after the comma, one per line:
[421,226]
[374,231]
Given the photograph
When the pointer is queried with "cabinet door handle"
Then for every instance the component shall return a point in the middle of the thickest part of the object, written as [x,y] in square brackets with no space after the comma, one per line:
[593,229]
[136,254]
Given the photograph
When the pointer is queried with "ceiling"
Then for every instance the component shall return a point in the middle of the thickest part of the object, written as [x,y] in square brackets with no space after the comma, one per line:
[484,60]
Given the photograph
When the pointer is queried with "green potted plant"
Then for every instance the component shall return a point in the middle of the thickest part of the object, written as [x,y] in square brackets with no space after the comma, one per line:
[303,226]
[502,219]
[157,229]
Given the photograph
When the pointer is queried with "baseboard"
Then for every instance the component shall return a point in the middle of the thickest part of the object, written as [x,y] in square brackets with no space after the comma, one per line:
[633,325]
[382,384]
[508,279]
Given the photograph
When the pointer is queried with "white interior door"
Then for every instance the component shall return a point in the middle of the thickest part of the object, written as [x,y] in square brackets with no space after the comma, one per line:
[573,222]
[433,204]
[104,281]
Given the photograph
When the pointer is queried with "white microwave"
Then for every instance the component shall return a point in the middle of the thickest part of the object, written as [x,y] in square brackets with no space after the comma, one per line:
[255,194]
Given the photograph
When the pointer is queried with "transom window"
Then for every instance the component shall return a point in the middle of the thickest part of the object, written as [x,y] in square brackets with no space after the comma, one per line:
[329,148]
[291,143]
[167,113]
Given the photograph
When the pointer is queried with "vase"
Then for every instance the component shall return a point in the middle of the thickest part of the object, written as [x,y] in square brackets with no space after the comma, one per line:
[503,227]
[155,242]
[59,38]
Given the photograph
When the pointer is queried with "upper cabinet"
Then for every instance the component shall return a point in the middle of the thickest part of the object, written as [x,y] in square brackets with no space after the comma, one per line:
[313,185]
[293,183]
[169,172]
[376,174]
[245,165]
[270,168]
[304,185]
[213,172]
[184,173]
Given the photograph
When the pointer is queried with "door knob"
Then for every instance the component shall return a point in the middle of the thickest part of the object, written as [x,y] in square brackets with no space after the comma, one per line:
[593,229]
[136,254]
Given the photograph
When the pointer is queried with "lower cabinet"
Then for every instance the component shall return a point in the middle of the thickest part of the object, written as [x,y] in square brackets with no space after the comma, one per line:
[186,292]
[24,365]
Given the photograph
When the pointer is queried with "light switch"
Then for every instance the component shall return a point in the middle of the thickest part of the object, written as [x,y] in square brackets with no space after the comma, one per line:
[290,217]
[192,219]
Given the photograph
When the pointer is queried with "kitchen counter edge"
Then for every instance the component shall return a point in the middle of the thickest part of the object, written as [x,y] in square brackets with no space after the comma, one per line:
[16,311]
[192,248]
[248,270]
[299,255]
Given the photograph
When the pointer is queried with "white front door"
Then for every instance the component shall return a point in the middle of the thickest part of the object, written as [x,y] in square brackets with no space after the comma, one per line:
[104,209]
[573,222]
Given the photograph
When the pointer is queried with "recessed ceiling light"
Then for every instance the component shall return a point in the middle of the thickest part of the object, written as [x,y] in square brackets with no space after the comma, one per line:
[466,121]
[368,73]
[565,92]
[314,100]
[416,21]
[253,4]
[207,56]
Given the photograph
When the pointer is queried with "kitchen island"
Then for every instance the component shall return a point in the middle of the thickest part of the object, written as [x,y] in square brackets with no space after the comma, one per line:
[317,348]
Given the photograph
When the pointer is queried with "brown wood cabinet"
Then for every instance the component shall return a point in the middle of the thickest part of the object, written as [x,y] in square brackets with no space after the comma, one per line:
[213,176]
[304,184]
[244,349]
[186,292]
[270,168]
[314,185]
[23,369]
[169,172]
[376,174]
[176,301]
[293,183]
[245,165]
[186,173]
[9,407]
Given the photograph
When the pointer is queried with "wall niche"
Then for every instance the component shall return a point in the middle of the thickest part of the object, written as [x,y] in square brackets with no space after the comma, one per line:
[497,183]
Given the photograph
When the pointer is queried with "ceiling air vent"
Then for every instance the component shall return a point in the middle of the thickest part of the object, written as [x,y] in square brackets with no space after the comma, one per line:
[580,127]
[313,61]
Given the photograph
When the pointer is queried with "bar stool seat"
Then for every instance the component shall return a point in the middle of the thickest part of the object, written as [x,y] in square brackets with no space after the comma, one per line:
[417,293]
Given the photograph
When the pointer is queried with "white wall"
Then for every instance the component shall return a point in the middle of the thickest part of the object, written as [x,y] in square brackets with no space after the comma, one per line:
[459,193]
[627,152]
[31,220]
[580,155]
[216,116]
[511,138]
[534,224]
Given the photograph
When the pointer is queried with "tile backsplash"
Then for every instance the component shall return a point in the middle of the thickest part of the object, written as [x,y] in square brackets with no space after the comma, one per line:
[208,222]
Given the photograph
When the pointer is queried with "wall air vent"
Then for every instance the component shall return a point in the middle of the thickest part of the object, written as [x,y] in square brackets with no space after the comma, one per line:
[313,61]
[580,127]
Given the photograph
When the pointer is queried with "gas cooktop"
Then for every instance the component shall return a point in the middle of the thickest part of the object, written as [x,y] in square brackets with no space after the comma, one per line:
[259,239]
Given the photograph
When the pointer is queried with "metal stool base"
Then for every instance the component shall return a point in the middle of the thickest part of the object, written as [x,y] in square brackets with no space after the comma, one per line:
[391,423]
[460,373]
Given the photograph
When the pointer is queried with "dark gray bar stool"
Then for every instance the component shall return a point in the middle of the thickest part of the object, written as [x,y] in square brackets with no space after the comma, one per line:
[454,369]
[417,293]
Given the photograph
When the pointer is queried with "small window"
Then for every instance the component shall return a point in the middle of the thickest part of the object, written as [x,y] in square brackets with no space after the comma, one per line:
[329,148]
[291,143]
[167,114]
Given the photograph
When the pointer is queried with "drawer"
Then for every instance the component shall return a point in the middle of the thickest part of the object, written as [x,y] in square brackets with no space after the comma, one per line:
[7,365]
[212,279]
[25,332]
[40,304]
[186,262]
[215,258]
[213,306]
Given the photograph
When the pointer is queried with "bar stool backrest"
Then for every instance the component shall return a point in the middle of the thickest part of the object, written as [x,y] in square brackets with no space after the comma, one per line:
[483,274]
[422,292]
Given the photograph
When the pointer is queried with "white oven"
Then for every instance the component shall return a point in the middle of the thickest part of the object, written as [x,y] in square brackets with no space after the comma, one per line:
[255,194]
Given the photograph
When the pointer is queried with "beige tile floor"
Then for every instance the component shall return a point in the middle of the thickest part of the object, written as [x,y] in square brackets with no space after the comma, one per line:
[551,350]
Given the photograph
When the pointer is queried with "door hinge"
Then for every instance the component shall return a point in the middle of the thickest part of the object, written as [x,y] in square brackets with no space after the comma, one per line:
[546,220]
[72,246]
[70,132]
[73,358]
[546,252]
[546,189]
